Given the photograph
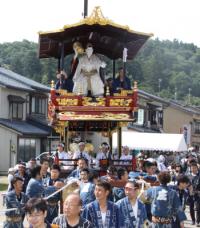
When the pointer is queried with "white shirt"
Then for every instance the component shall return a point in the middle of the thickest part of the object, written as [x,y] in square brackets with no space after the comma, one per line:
[85,155]
[135,209]
[65,155]
[126,157]
[85,186]
[101,156]
[103,215]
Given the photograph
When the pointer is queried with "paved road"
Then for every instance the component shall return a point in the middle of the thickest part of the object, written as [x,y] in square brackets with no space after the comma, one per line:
[2,217]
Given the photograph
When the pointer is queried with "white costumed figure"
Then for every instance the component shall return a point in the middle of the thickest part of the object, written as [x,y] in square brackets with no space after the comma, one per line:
[87,77]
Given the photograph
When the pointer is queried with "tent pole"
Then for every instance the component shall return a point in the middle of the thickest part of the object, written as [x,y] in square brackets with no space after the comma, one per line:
[119,140]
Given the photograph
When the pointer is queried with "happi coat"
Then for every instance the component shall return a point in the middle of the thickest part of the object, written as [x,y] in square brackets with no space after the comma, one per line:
[127,217]
[165,204]
[13,202]
[92,213]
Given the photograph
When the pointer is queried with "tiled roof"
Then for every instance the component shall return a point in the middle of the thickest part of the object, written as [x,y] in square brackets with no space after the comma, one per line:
[186,108]
[10,79]
[139,128]
[142,93]
[12,83]
[24,127]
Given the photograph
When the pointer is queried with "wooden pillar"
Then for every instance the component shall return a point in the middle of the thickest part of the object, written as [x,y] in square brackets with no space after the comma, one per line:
[61,137]
[58,67]
[114,69]
[119,139]
[110,136]
[66,138]
[62,56]
[124,68]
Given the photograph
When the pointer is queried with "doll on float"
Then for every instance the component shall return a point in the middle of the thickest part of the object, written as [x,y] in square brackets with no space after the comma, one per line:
[87,80]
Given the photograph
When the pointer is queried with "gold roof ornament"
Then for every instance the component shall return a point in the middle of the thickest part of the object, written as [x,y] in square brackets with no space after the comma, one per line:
[52,84]
[97,17]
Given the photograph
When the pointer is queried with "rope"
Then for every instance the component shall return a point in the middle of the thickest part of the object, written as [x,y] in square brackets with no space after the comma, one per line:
[60,189]
[46,198]
[7,210]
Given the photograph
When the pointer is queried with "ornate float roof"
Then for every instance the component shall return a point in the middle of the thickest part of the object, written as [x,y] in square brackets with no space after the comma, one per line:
[107,37]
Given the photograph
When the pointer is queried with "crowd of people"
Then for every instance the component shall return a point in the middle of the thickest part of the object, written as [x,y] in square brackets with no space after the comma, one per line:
[153,195]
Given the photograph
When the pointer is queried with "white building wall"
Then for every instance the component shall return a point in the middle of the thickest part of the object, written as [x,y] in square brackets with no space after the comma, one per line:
[8,149]
[0,100]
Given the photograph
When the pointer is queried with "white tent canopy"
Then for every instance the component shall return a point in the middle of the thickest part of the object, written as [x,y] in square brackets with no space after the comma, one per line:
[152,141]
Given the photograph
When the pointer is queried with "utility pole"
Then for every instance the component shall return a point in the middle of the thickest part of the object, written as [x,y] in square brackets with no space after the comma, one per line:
[159,84]
[175,93]
[85,13]
[189,95]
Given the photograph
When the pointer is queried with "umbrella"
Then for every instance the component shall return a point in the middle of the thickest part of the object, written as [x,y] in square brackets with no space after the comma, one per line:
[107,37]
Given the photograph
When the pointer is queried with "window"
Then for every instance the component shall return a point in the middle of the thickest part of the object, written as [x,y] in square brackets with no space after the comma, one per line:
[197,127]
[27,149]
[160,117]
[16,110]
[39,105]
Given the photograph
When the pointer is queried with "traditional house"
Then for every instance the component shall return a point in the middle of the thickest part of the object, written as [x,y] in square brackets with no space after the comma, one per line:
[149,117]
[23,118]
[179,118]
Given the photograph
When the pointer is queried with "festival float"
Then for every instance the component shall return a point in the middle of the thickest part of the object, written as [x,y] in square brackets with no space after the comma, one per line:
[77,111]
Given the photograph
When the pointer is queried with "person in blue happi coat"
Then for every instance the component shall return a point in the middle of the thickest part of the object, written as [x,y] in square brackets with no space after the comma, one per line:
[15,199]
[35,186]
[165,204]
[194,197]
[81,164]
[22,172]
[149,176]
[181,189]
[132,211]
[101,212]
[119,192]
[86,188]
[52,202]
[44,171]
